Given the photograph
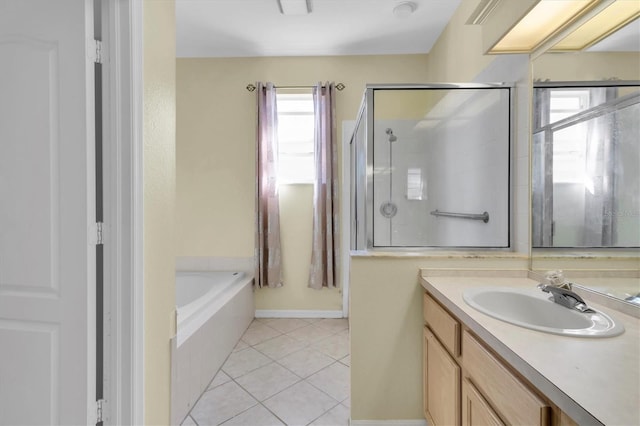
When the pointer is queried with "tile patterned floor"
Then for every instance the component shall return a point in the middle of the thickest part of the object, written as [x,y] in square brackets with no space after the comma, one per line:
[284,371]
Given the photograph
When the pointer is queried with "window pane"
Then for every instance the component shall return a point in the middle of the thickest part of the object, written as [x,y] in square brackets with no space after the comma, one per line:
[295,138]
[295,148]
[295,128]
[288,103]
[296,169]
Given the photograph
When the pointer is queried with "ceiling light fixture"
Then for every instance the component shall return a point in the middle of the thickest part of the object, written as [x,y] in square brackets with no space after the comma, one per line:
[295,7]
[610,20]
[541,22]
[583,21]
[405,9]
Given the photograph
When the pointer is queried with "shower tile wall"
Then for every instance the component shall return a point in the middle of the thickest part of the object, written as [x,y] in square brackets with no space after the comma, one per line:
[392,160]
[469,160]
[464,163]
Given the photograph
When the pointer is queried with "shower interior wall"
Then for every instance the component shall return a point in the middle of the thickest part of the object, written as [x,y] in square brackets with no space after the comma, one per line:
[463,165]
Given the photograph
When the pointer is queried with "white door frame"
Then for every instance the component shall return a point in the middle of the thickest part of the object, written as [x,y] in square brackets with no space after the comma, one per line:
[123,200]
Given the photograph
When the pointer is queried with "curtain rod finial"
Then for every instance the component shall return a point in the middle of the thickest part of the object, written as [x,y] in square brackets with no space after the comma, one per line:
[340,86]
[251,87]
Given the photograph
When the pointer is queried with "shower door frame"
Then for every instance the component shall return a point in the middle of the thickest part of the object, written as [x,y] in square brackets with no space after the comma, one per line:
[366,218]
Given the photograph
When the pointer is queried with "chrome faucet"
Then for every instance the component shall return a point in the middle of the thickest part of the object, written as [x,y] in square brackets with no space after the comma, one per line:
[566,298]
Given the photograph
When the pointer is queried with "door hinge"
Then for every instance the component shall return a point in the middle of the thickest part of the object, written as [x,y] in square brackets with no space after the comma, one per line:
[100,410]
[94,50]
[99,233]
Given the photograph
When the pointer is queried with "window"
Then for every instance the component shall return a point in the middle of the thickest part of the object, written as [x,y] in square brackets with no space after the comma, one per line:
[569,148]
[295,138]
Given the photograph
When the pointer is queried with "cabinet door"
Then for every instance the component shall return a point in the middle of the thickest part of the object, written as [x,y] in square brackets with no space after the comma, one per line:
[475,410]
[441,383]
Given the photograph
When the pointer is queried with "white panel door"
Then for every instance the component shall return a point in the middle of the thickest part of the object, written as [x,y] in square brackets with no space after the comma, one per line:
[47,185]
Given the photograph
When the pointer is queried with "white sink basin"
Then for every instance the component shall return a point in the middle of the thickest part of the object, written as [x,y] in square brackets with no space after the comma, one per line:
[532,309]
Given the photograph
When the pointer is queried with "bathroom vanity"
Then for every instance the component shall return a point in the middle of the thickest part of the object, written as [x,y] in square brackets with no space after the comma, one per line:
[481,370]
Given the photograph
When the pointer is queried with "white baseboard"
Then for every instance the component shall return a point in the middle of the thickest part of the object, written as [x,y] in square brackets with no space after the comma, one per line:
[261,313]
[416,422]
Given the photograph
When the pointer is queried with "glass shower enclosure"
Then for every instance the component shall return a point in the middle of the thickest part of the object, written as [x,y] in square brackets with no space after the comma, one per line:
[430,167]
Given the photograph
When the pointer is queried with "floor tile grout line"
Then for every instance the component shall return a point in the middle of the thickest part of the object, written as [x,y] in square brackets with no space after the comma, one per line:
[339,402]
[326,411]
[274,414]
[288,387]
[258,402]
[206,389]
[334,360]
[279,392]
[308,324]
[243,411]
[307,345]
[271,396]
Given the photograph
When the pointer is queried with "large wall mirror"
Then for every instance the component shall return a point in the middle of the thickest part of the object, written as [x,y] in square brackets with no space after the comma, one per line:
[585,187]
[585,170]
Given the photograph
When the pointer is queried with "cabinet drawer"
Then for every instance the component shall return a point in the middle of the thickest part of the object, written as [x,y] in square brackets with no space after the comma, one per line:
[504,392]
[442,324]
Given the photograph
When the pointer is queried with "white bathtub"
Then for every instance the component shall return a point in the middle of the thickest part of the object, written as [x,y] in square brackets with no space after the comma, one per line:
[214,308]
[199,295]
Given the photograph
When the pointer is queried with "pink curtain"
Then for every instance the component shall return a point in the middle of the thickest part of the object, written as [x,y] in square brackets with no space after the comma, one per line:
[268,256]
[324,254]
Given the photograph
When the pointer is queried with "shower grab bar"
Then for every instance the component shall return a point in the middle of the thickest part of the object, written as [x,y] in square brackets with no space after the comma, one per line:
[483,216]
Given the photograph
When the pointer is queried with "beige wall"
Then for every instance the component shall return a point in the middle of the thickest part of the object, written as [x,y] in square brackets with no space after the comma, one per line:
[588,66]
[385,303]
[457,56]
[159,205]
[386,329]
[215,158]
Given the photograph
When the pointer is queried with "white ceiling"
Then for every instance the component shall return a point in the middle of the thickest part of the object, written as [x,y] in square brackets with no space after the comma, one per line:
[234,28]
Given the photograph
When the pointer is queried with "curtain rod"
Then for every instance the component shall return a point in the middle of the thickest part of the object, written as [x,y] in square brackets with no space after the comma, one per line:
[251,87]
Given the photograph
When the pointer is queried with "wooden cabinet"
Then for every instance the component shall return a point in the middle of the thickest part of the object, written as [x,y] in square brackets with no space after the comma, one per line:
[465,383]
[443,325]
[475,409]
[506,393]
[441,383]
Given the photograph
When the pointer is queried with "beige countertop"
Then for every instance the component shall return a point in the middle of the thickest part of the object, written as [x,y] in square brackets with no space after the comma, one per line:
[591,379]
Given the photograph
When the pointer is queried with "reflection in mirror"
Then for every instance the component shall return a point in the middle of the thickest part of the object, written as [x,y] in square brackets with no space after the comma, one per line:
[586,165]
[610,270]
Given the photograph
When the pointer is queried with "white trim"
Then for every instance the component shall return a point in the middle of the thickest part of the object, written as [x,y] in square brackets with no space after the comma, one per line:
[416,422]
[90,182]
[137,98]
[116,386]
[348,126]
[124,344]
[297,314]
